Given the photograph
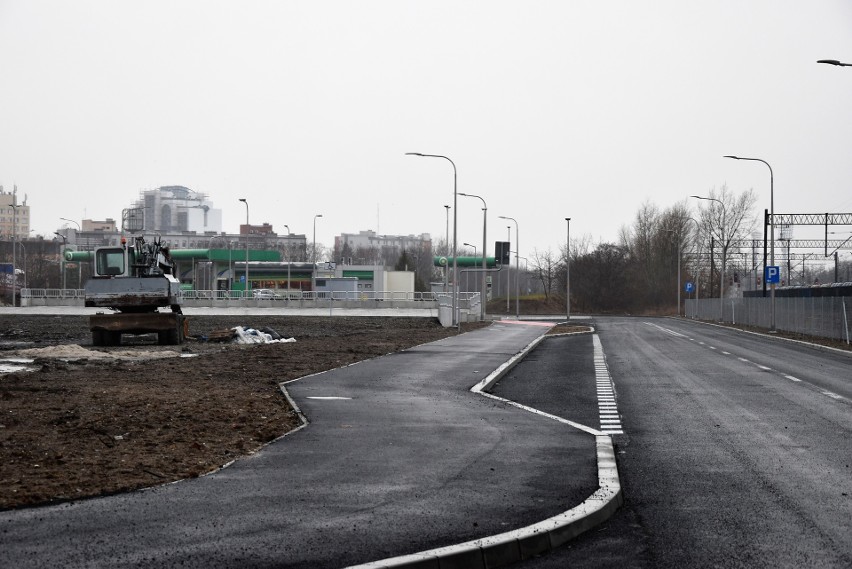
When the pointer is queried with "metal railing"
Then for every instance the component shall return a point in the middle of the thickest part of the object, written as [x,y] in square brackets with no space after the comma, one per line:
[827,317]
[52,293]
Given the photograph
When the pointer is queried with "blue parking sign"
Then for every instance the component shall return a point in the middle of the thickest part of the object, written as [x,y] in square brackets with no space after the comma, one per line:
[772,275]
[689,287]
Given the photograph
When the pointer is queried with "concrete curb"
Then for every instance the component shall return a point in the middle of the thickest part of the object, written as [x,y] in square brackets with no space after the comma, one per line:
[530,541]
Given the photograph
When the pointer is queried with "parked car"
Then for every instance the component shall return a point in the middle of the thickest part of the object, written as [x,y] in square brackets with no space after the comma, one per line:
[266,294]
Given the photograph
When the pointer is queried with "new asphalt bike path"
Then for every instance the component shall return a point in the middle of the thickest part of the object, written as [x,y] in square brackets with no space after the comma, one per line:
[403,460]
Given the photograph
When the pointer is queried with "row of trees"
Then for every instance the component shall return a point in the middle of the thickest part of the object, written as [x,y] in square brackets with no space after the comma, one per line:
[639,272]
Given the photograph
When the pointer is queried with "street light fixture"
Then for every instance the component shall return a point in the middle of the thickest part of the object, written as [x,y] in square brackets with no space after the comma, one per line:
[289,261]
[517,267]
[62,260]
[568,271]
[724,256]
[447,243]
[771,233]
[834,62]
[484,298]
[455,229]
[248,230]
[314,245]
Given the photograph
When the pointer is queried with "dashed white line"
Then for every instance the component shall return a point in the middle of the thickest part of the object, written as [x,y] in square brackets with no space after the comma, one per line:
[610,420]
[791,378]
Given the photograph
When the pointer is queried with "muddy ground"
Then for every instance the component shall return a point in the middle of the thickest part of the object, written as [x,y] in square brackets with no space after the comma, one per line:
[90,421]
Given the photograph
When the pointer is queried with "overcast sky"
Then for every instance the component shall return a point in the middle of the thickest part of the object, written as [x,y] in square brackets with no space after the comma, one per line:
[581,109]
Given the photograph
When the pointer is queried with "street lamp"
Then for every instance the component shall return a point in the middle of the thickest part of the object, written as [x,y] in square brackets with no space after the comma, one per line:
[484,249]
[724,256]
[771,231]
[455,228]
[467,277]
[568,271]
[447,243]
[677,235]
[289,261]
[834,62]
[517,267]
[248,230]
[62,261]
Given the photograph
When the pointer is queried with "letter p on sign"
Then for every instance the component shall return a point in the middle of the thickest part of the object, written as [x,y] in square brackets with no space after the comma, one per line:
[772,275]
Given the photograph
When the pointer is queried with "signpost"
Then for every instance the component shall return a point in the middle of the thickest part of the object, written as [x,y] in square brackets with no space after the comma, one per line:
[772,274]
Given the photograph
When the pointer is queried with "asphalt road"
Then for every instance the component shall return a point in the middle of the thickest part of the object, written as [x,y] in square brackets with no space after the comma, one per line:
[398,457]
[736,452]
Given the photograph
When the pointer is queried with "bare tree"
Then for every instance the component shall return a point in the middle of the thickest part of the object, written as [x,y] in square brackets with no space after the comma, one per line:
[546,269]
[732,219]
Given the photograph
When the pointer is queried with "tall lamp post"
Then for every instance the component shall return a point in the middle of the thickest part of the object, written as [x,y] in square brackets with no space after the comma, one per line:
[568,271]
[517,267]
[248,230]
[466,279]
[724,256]
[62,261]
[289,261]
[484,298]
[455,229]
[677,235]
[771,230]
[79,248]
[314,254]
[447,241]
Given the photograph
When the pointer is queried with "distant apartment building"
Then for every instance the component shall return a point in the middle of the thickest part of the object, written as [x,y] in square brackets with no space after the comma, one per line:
[177,209]
[14,216]
[106,226]
[183,219]
[368,247]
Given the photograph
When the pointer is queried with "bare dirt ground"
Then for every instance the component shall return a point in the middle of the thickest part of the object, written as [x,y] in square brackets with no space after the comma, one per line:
[90,421]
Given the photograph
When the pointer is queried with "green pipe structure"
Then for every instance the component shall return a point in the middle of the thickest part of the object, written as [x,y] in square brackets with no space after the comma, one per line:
[465,261]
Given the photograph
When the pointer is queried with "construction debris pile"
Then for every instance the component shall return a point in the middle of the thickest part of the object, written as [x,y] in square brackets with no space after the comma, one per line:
[241,335]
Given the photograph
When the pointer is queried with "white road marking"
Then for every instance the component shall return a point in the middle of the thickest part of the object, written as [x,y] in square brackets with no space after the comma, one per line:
[791,378]
[329,398]
[610,419]
[832,395]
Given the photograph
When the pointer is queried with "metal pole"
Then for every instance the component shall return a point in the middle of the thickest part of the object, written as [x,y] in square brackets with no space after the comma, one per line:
[289,261]
[14,248]
[455,231]
[724,255]
[484,244]
[509,272]
[447,243]
[62,258]
[314,255]
[771,225]
[568,271]
[248,230]
[517,267]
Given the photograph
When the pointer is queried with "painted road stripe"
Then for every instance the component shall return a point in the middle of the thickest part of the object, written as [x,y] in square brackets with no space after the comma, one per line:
[832,395]
[610,420]
[764,368]
[791,378]
[329,398]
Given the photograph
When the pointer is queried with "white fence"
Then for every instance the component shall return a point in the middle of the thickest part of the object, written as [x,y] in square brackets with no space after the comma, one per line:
[827,317]
[468,306]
